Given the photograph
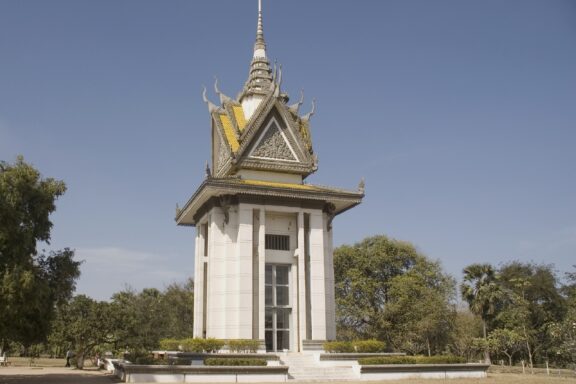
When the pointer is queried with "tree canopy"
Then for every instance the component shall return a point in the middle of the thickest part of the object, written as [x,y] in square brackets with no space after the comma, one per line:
[524,309]
[388,290]
[31,284]
[132,322]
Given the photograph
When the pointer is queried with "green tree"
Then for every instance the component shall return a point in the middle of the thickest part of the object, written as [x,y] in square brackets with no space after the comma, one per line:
[506,341]
[30,284]
[467,328]
[386,290]
[535,305]
[421,309]
[178,310]
[142,319]
[564,332]
[82,325]
[483,294]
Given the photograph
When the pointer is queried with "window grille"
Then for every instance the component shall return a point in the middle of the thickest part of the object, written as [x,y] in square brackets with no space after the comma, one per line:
[278,242]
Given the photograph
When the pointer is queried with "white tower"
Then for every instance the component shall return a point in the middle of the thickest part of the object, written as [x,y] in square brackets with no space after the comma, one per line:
[263,260]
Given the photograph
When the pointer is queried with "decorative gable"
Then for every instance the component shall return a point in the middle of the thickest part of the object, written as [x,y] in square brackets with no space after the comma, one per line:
[273,141]
[273,144]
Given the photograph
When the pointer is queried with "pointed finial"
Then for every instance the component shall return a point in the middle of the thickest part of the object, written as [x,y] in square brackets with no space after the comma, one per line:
[260,81]
[279,76]
[260,45]
[278,83]
[309,114]
[208,171]
[223,97]
[362,186]
[211,106]
[296,106]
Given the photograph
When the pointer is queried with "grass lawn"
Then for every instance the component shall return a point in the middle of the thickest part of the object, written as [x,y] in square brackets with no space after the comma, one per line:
[497,378]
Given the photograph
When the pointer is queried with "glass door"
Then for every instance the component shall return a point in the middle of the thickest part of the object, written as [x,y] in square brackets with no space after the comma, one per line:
[278,310]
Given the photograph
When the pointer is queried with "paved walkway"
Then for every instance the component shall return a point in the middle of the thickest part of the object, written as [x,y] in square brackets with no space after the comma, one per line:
[33,375]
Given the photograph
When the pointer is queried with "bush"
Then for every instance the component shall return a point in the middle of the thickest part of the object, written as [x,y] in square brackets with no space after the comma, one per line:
[446,359]
[192,345]
[231,361]
[387,360]
[170,344]
[369,346]
[244,345]
[211,345]
[198,345]
[441,359]
[338,347]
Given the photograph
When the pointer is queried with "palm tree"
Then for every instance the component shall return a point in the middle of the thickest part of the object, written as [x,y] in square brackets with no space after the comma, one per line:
[481,290]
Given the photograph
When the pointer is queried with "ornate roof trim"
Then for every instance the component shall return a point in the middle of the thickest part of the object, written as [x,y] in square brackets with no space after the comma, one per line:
[342,199]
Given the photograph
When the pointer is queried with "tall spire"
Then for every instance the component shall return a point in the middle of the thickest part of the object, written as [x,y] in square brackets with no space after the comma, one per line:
[260,45]
[260,80]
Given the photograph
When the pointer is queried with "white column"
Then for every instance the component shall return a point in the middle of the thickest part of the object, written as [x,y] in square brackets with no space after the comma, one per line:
[217,279]
[317,276]
[301,308]
[261,271]
[244,275]
[329,282]
[198,282]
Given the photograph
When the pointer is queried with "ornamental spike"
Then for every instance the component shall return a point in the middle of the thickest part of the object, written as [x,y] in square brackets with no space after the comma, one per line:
[362,186]
[211,106]
[280,76]
[295,107]
[223,97]
[311,113]
[260,45]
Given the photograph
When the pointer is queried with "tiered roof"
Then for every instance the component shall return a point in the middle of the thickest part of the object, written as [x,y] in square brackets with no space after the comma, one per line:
[258,130]
[259,135]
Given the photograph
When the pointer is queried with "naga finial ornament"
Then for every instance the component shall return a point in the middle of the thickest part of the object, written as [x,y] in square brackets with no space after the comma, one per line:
[223,97]
[211,106]
[296,106]
[362,185]
[311,113]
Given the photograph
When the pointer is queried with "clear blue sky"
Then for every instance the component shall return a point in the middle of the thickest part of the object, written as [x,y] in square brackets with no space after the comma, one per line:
[460,114]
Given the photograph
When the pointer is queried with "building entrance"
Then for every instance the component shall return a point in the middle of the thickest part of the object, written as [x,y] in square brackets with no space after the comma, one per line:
[278,309]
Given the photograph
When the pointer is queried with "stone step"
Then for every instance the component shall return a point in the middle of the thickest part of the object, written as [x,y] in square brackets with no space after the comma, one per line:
[321,369]
[322,378]
[321,374]
[307,368]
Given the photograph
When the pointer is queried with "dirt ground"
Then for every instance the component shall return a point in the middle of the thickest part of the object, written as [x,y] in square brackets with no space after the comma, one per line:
[53,375]
[60,375]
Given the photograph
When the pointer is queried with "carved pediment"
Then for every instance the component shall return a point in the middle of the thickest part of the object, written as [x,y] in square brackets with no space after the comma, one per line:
[273,144]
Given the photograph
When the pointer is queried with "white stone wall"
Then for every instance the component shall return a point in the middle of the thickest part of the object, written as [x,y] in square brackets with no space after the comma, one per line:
[232,290]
